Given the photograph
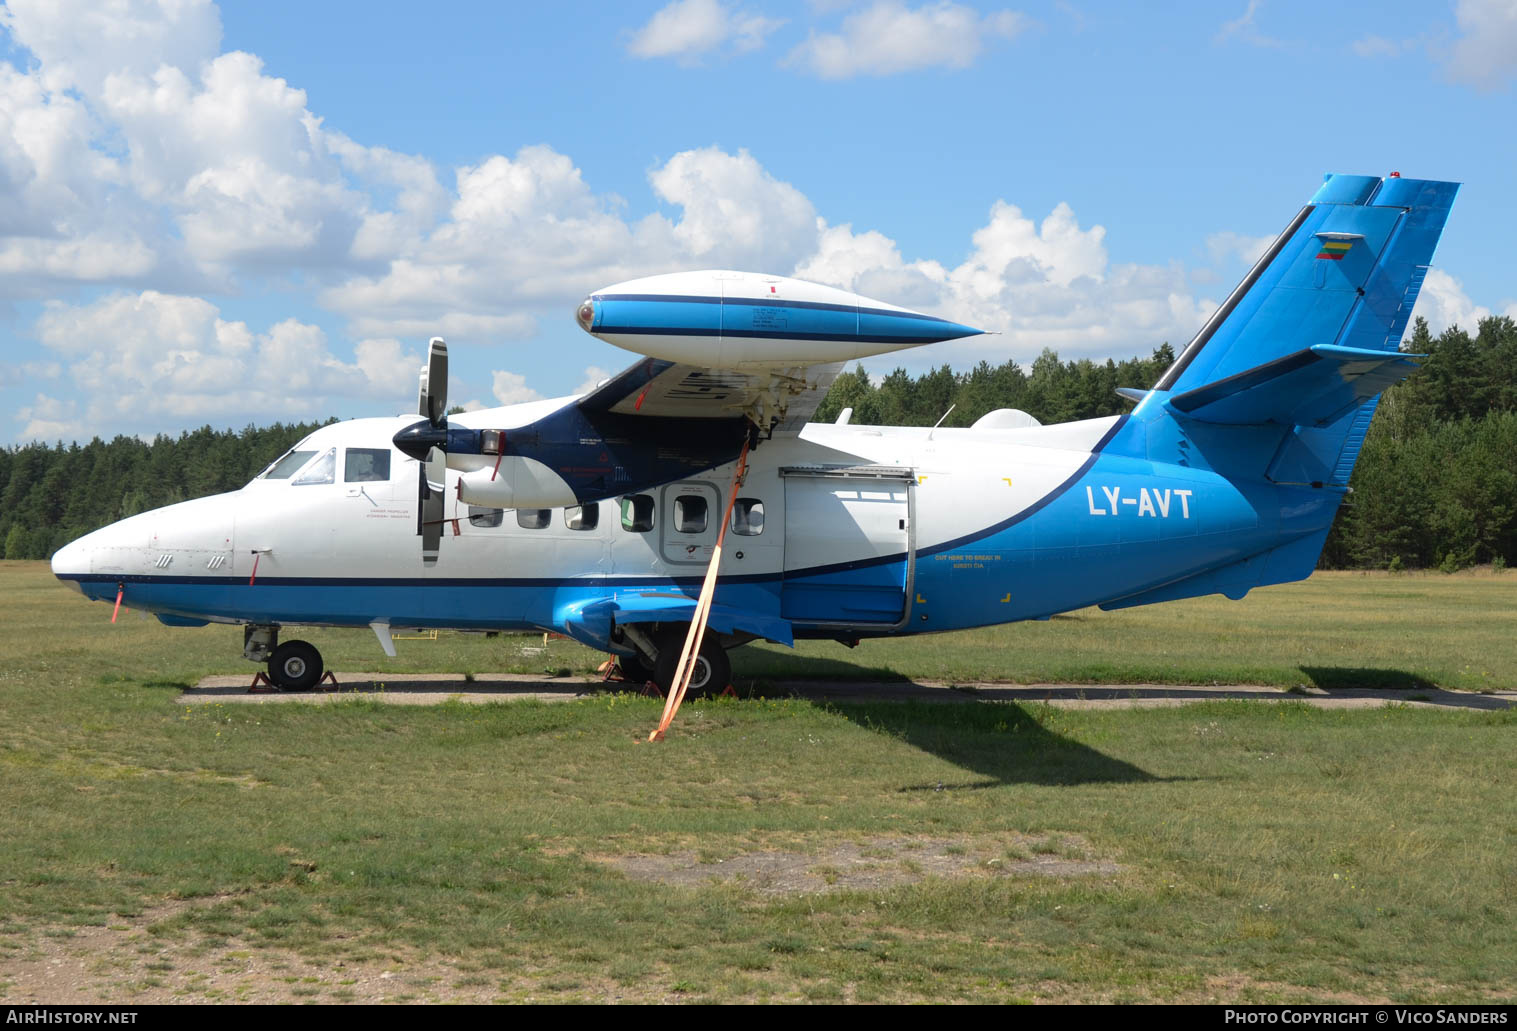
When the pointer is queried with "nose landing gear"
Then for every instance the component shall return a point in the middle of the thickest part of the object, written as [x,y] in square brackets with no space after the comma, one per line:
[293,666]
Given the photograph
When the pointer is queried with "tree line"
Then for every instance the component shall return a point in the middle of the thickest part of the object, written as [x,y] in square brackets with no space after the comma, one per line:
[50,495]
[1435,484]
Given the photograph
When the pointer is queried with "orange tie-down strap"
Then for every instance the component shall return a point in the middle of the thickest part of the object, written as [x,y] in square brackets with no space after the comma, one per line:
[686,666]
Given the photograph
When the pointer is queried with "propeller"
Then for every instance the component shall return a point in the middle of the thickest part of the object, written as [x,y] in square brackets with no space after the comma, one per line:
[427,442]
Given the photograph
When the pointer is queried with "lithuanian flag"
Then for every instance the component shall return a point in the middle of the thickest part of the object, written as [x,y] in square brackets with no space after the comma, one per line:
[1334,250]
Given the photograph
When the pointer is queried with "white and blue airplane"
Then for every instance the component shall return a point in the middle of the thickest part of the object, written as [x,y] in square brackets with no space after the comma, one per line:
[596,516]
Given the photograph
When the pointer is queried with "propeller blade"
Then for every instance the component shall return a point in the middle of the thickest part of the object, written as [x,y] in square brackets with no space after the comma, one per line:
[427,443]
[429,517]
[435,390]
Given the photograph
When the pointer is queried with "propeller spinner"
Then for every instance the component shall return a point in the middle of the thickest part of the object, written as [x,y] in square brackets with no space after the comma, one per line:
[427,441]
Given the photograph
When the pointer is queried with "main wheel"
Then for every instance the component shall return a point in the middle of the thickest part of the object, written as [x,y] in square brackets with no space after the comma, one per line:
[713,667]
[295,666]
[635,669]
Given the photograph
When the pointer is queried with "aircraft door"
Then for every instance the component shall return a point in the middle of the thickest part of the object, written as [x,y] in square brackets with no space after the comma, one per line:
[692,514]
[849,554]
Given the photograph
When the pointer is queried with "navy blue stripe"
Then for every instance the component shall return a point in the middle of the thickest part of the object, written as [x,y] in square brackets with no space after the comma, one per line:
[766,302]
[297,581]
[979,535]
[621,582]
[776,334]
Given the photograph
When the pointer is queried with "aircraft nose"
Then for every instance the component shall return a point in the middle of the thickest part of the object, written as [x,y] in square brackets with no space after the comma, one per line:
[587,314]
[71,560]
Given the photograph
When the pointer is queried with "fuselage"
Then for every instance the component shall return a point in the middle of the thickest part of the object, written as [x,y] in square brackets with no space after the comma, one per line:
[839,531]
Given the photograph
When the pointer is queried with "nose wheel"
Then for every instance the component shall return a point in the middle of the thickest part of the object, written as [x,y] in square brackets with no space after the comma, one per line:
[295,666]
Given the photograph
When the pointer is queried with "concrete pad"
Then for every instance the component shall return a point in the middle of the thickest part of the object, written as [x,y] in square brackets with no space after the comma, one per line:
[434,688]
[399,689]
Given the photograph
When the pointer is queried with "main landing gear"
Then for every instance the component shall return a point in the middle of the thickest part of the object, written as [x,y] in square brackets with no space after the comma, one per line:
[293,666]
[713,666]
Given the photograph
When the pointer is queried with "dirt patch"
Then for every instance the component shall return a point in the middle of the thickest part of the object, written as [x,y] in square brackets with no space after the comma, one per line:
[129,962]
[871,863]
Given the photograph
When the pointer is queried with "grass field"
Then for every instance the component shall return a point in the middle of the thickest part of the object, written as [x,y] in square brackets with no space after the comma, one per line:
[773,850]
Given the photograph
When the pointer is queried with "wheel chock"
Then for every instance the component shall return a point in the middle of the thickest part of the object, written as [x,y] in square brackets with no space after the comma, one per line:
[267,685]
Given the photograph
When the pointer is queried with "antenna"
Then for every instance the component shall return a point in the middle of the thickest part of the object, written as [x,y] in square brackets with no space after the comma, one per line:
[940,421]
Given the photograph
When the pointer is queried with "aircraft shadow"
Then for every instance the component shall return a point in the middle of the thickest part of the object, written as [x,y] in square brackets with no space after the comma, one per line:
[1006,744]
[1394,685]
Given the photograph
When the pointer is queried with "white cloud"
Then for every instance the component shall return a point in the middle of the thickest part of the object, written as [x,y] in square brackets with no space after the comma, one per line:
[735,213]
[1243,27]
[1443,303]
[689,29]
[49,418]
[1037,285]
[511,388]
[1485,53]
[140,356]
[594,377]
[1376,46]
[888,37]
[134,146]
[525,235]
[80,44]
[1237,247]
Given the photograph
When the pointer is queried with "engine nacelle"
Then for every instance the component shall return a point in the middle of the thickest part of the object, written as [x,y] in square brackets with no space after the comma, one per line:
[749,322]
[518,483]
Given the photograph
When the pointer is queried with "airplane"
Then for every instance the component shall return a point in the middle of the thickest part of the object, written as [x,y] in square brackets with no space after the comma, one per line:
[596,516]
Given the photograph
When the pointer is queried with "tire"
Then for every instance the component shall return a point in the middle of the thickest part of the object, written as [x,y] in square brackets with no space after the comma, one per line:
[635,669]
[295,666]
[713,667]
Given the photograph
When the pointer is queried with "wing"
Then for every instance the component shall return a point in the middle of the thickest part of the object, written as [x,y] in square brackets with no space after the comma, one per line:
[657,388]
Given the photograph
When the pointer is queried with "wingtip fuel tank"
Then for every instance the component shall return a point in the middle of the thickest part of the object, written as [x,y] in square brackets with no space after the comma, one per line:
[742,320]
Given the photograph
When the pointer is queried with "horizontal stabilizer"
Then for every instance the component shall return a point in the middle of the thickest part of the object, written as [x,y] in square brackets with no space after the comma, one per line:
[1311,387]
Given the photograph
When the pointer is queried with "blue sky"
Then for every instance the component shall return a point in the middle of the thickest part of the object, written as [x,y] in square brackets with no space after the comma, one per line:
[261,211]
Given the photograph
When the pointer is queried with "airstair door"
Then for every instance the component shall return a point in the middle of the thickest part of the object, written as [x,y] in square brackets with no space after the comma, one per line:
[849,555]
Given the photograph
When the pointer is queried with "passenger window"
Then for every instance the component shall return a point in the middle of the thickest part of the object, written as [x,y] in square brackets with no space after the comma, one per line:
[690,513]
[286,466]
[748,517]
[366,465]
[323,470]
[486,517]
[586,517]
[637,513]
[533,518]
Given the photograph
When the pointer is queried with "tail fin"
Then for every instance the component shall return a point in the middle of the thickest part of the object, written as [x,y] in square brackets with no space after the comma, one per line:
[1310,337]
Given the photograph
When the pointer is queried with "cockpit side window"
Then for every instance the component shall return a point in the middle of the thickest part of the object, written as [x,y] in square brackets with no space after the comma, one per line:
[323,470]
[366,464]
[285,467]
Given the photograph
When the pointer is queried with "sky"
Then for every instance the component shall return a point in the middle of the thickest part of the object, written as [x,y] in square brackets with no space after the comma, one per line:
[259,211]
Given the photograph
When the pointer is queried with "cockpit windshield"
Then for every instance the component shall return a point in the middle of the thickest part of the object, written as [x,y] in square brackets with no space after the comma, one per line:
[287,466]
[320,471]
